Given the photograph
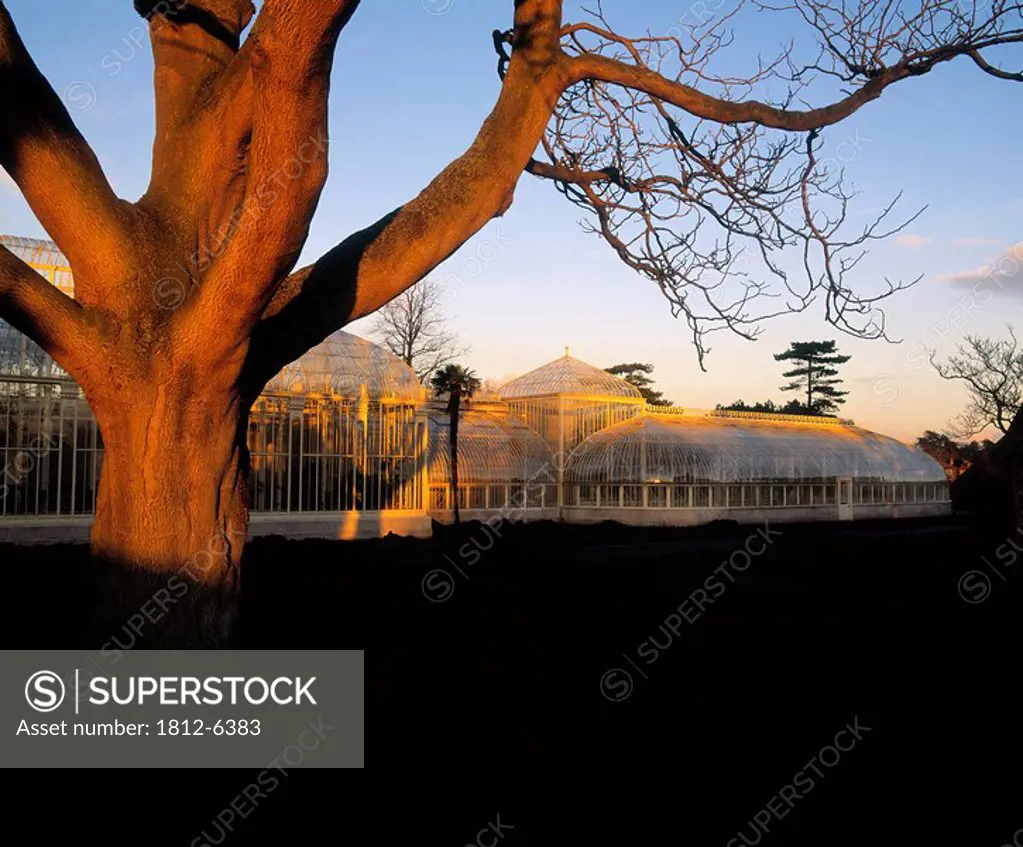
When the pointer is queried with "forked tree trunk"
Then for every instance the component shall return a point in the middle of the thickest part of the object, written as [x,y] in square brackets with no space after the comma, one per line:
[171,520]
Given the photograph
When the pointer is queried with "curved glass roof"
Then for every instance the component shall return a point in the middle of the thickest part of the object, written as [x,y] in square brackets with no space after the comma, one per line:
[492,447]
[650,448]
[45,257]
[342,364]
[568,376]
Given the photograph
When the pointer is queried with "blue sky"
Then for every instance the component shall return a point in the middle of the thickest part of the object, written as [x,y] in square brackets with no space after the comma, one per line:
[412,83]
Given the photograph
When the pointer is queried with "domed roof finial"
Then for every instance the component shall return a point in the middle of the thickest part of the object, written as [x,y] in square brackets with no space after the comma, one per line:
[566,351]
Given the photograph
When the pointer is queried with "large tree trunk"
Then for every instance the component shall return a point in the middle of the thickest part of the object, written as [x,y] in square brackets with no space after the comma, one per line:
[171,519]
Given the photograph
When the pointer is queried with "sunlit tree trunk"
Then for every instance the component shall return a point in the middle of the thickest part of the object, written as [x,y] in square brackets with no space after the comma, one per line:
[172,517]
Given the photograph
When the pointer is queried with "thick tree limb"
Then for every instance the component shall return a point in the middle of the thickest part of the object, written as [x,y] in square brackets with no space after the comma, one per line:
[291,56]
[193,43]
[40,310]
[374,265]
[655,147]
[56,170]
[988,68]
[707,107]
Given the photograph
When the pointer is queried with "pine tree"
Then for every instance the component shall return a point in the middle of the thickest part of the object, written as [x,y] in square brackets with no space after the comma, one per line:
[638,374]
[815,374]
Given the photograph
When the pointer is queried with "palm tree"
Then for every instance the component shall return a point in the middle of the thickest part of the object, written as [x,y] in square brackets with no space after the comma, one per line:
[457,382]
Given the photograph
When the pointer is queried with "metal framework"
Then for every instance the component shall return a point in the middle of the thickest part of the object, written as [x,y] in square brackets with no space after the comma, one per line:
[503,464]
[311,452]
[568,400]
[345,365]
[45,258]
[569,377]
[722,461]
[349,428]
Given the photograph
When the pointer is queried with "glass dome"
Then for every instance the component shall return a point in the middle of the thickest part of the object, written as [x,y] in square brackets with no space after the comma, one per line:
[569,377]
[650,448]
[492,447]
[342,364]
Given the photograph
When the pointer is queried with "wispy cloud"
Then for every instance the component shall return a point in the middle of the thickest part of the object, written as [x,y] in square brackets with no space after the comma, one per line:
[975,242]
[912,241]
[1004,274]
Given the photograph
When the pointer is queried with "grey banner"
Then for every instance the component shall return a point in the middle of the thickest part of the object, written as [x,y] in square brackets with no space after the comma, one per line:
[273,710]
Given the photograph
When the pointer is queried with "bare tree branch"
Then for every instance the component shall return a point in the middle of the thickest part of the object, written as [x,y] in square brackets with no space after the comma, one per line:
[43,312]
[291,58]
[660,151]
[56,170]
[988,68]
[992,370]
[413,327]
[194,41]
[700,187]
[375,265]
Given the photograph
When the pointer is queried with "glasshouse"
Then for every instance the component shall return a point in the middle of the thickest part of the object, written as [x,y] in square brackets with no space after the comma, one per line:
[345,443]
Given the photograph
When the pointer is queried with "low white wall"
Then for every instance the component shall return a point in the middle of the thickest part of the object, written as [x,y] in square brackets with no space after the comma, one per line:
[781,514]
[509,515]
[328,525]
[345,526]
[69,530]
[355,525]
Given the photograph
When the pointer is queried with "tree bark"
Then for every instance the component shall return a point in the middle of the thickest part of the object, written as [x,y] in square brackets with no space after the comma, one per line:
[172,518]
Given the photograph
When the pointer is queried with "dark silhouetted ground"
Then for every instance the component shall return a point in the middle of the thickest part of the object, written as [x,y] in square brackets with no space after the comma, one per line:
[508,677]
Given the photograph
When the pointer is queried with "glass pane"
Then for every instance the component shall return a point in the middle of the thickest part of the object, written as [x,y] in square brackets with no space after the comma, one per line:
[633,495]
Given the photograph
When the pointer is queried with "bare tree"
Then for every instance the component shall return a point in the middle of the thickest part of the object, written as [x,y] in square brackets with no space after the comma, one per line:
[186,302]
[489,388]
[414,328]
[992,369]
[697,186]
